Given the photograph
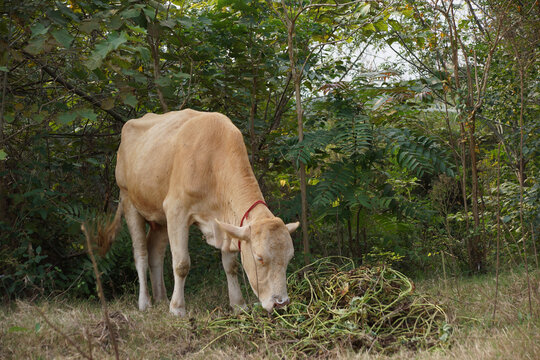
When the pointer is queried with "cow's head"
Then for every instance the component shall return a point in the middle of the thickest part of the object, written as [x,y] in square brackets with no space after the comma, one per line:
[266,249]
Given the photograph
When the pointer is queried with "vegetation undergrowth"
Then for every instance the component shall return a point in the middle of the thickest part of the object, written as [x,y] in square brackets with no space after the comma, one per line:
[155,334]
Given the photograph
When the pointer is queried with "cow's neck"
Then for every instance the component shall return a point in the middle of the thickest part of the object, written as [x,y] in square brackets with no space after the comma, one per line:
[241,190]
[240,197]
[258,212]
[240,206]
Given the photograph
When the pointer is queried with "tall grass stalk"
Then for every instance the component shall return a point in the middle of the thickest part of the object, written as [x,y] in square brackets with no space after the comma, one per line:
[104,308]
[498,230]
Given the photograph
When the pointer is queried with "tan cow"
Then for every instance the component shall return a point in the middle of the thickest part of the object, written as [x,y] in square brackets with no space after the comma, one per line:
[189,167]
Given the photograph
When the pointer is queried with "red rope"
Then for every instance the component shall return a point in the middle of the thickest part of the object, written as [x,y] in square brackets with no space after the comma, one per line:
[251,208]
[247,214]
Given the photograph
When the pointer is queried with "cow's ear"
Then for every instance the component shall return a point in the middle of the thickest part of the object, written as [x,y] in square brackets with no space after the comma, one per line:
[292,226]
[224,233]
[237,232]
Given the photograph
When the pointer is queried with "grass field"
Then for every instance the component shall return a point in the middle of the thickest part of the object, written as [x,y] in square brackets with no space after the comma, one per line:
[155,334]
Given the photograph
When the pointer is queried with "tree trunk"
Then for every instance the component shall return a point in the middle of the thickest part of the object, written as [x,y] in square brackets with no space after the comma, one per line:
[364,237]
[522,178]
[497,261]
[252,113]
[303,195]
[464,192]
[351,242]
[153,41]
[477,253]
[299,115]
[340,236]
[358,245]
[3,189]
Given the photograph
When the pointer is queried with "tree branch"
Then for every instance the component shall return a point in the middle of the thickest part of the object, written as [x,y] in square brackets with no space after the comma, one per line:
[280,107]
[153,41]
[59,79]
[336,5]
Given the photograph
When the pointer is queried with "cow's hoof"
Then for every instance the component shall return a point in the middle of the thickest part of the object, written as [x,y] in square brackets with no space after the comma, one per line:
[161,300]
[144,304]
[178,311]
[238,309]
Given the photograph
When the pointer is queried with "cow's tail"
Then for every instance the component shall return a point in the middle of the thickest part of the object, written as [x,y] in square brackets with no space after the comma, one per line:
[107,232]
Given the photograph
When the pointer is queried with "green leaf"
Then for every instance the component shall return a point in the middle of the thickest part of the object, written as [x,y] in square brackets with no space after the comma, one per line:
[137,30]
[365,9]
[107,104]
[17,329]
[104,48]
[39,29]
[57,17]
[181,75]
[163,81]
[379,103]
[4,69]
[145,53]
[131,100]
[87,114]
[170,23]
[187,22]
[93,62]
[150,12]
[370,27]
[67,11]
[63,37]
[67,118]
[35,46]
[407,12]
[381,25]
[3,155]
[115,22]
[93,161]
[113,42]
[130,13]
[89,25]
[395,24]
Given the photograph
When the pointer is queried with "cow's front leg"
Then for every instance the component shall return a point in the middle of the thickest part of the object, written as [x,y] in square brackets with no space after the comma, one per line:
[178,231]
[231,270]
[136,225]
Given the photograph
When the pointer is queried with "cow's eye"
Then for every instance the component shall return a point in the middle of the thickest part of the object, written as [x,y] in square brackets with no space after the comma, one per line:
[259,259]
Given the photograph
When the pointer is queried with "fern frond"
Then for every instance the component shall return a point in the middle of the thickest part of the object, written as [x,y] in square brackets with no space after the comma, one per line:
[418,154]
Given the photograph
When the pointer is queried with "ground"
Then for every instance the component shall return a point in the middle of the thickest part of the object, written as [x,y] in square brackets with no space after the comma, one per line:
[155,334]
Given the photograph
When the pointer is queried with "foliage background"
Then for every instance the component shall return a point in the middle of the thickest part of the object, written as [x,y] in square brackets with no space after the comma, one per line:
[409,162]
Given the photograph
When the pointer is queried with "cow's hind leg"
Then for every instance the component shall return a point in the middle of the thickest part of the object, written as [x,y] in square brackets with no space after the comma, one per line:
[137,229]
[230,265]
[157,244]
[178,231]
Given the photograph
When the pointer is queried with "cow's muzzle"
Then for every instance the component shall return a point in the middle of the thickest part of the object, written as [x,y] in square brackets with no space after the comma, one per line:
[280,302]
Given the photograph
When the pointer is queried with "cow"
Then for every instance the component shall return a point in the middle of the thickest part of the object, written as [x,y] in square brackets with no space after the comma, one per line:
[186,168]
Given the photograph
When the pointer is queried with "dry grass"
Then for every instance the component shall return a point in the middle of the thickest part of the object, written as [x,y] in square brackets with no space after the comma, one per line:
[155,334]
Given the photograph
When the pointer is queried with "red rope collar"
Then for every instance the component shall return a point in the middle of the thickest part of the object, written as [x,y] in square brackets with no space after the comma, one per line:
[247,214]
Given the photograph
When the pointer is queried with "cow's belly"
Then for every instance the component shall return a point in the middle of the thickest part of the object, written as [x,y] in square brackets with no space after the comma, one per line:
[150,210]
[152,215]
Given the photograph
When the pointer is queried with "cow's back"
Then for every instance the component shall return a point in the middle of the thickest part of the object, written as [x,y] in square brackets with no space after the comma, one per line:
[174,152]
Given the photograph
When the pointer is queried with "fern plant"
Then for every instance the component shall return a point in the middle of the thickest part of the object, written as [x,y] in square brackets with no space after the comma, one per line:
[417,153]
[346,152]
[116,266]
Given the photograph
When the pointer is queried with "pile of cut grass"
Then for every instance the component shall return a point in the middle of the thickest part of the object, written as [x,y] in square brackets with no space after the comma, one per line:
[340,305]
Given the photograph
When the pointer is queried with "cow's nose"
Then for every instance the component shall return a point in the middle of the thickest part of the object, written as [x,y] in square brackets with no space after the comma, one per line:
[281,301]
